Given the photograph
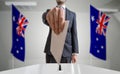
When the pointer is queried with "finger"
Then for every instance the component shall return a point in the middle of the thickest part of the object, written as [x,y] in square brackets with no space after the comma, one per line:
[62,26]
[74,59]
[61,19]
[51,20]
[48,18]
[55,14]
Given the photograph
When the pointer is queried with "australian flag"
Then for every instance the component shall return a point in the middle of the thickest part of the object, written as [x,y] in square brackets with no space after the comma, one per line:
[98,22]
[19,24]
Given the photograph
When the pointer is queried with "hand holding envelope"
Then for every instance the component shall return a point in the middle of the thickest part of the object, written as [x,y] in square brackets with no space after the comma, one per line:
[56,19]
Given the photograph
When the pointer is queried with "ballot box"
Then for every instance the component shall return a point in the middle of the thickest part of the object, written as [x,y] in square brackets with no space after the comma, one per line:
[65,69]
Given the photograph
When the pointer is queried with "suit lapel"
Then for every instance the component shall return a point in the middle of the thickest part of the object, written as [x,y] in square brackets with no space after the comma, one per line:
[66,14]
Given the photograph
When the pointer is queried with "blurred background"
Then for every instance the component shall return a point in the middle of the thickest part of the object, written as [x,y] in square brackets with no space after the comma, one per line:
[36,32]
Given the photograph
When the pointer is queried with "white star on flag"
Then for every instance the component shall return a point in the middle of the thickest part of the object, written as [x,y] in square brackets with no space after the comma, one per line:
[98,51]
[102,47]
[21,48]
[92,18]
[13,18]
[17,39]
[97,39]
[17,51]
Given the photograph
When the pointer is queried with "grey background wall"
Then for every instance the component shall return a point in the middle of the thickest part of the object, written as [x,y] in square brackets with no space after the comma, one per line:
[36,34]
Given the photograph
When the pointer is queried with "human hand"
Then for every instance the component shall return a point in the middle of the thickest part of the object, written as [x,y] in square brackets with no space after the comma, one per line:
[74,58]
[56,19]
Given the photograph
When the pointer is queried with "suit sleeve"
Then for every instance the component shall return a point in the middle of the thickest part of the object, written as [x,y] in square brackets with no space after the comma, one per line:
[44,18]
[75,48]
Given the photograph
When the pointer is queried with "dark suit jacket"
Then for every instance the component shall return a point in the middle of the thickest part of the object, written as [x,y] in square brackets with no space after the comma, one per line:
[71,42]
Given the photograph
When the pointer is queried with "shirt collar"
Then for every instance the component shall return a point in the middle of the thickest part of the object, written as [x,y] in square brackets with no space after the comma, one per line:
[62,6]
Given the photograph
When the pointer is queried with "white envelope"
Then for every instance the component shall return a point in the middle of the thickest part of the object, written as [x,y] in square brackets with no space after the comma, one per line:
[57,43]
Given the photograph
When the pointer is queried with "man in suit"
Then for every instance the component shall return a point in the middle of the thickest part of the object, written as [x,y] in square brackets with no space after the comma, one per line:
[70,49]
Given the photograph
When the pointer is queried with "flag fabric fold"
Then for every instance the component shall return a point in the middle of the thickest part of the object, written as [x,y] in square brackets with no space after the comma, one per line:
[98,23]
[19,24]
